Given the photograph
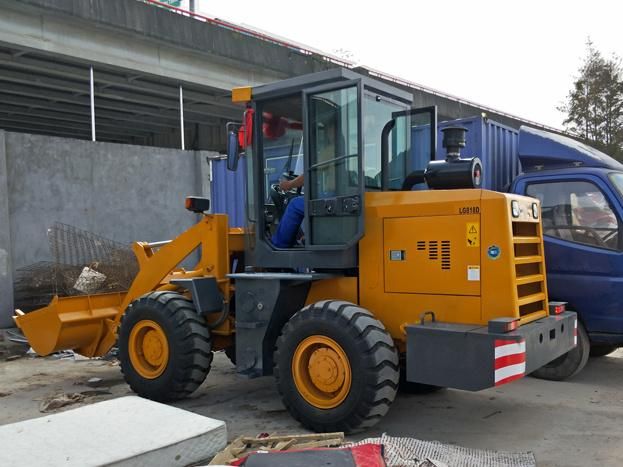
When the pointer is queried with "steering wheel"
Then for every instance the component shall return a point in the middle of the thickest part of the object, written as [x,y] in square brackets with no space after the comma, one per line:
[589,232]
[281,198]
[593,233]
[610,234]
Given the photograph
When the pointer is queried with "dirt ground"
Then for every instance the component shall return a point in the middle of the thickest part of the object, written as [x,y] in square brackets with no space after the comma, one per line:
[574,423]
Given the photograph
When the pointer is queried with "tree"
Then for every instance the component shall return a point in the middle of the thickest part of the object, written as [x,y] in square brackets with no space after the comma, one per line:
[594,106]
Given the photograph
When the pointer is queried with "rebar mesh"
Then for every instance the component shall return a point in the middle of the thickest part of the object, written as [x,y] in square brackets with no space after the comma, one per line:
[72,251]
[34,285]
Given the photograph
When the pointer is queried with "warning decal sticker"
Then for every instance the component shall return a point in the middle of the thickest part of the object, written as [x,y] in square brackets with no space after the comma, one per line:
[472,235]
[473,273]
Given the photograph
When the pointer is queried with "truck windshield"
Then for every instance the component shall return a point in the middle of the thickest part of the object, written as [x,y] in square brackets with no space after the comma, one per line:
[617,181]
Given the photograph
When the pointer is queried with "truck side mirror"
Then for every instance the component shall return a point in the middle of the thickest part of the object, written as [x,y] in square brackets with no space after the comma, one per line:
[232,151]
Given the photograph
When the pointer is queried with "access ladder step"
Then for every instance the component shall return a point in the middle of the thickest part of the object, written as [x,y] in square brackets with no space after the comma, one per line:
[531,298]
[529,279]
[526,239]
[528,259]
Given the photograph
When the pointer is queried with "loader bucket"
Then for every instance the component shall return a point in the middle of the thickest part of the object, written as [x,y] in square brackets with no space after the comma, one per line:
[83,324]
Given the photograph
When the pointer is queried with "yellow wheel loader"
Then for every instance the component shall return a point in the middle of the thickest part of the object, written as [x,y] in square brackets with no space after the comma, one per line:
[396,268]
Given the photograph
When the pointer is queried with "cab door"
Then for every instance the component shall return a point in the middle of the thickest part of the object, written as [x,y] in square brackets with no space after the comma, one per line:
[582,230]
[333,166]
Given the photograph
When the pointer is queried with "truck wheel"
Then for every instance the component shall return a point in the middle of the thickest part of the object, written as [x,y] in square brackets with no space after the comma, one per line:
[599,350]
[164,346]
[336,367]
[569,364]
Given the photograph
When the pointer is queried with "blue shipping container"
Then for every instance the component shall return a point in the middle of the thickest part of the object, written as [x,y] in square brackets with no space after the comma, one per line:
[229,191]
[495,144]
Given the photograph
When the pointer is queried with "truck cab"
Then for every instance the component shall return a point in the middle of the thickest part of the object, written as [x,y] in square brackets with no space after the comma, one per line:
[580,189]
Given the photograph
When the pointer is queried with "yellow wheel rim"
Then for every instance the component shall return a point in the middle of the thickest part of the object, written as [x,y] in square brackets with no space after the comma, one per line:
[149,349]
[321,372]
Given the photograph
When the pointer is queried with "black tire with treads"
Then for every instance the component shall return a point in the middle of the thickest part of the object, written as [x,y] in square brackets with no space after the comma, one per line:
[372,356]
[188,338]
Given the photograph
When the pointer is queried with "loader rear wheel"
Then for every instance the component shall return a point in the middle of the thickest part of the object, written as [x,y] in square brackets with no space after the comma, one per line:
[336,367]
[164,346]
[569,364]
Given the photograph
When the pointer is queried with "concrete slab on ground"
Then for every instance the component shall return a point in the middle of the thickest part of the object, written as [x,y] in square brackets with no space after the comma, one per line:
[128,431]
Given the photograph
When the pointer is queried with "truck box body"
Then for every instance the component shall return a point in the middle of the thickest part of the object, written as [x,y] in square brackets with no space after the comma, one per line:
[496,146]
[228,191]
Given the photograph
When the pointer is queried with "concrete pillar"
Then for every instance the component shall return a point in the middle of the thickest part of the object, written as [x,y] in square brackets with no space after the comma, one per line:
[6,269]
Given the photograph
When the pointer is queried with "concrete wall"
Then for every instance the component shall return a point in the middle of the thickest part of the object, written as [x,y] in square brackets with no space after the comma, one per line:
[121,192]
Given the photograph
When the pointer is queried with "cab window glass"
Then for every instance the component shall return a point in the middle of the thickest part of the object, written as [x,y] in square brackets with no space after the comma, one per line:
[578,212]
[282,140]
[334,143]
[334,171]
[378,111]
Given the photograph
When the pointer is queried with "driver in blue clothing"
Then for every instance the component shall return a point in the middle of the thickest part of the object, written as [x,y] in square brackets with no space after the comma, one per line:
[325,150]
[288,228]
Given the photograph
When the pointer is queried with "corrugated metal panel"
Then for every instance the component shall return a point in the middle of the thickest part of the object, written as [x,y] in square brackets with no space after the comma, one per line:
[229,188]
[495,144]
[228,191]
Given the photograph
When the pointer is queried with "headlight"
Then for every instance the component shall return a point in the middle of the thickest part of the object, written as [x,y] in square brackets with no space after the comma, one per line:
[515,208]
[535,210]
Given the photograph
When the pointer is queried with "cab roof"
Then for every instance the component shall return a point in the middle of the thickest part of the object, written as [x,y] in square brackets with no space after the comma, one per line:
[311,80]
[542,149]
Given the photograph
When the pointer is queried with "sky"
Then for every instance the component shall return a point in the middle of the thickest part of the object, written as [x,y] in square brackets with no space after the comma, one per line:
[518,57]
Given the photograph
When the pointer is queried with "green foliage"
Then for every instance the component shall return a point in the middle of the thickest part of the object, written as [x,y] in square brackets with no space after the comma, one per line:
[594,106]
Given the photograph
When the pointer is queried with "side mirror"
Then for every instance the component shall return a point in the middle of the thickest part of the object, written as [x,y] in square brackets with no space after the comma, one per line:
[232,150]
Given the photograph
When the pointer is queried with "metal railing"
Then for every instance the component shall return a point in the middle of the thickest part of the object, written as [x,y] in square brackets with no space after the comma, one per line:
[303,49]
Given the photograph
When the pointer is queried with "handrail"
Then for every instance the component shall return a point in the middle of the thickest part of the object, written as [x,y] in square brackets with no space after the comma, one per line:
[306,50]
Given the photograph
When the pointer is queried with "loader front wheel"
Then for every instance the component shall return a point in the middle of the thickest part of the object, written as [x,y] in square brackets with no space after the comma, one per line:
[165,350]
[336,367]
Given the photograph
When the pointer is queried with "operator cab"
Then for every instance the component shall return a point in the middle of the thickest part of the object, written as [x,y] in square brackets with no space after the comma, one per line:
[345,134]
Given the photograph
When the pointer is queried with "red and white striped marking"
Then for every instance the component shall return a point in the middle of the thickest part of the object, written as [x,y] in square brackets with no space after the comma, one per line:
[575,333]
[510,360]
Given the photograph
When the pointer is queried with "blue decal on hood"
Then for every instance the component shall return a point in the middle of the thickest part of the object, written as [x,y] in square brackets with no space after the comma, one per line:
[494,252]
